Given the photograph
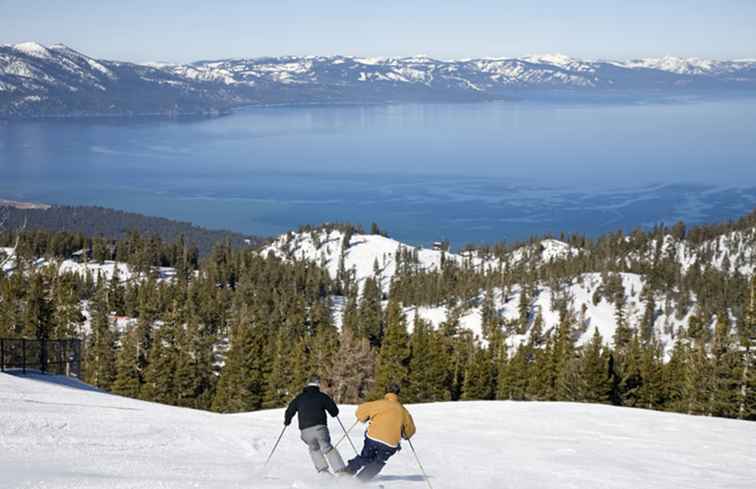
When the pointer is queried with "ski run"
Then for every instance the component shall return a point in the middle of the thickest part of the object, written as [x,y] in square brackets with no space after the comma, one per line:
[56,433]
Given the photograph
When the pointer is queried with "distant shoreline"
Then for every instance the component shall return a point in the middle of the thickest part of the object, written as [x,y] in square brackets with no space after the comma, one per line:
[23,205]
[536,96]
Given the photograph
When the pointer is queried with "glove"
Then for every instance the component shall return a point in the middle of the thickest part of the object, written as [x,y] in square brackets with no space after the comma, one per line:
[287,422]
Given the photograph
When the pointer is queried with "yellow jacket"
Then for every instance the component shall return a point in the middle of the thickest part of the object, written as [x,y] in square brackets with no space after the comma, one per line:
[389,420]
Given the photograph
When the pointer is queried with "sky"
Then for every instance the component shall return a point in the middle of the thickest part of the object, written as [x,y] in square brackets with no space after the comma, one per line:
[190,30]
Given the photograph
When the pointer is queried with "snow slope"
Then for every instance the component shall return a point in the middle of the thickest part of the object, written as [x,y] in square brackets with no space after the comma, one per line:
[580,294]
[325,247]
[364,251]
[731,252]
[71,437]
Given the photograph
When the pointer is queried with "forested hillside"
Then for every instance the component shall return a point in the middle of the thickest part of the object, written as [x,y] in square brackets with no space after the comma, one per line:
[112,224]
[661,319]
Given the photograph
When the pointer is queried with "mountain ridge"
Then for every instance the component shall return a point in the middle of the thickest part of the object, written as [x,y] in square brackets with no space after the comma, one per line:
[56,80]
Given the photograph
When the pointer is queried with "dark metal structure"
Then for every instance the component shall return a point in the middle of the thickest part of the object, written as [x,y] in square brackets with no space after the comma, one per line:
[62,357]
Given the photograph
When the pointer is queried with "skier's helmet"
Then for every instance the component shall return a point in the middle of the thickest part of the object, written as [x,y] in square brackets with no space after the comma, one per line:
[313,381]
[393,388]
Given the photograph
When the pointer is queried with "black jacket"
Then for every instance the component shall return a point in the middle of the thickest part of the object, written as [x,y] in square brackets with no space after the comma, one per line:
[310,407]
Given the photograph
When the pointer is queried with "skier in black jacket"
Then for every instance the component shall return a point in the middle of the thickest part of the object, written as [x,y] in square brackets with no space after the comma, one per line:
[310,407]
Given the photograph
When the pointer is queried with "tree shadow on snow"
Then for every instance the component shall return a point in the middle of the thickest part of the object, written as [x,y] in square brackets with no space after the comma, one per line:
[412,478]
[60,380]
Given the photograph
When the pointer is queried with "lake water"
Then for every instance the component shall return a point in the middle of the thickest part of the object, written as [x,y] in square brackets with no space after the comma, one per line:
[464,172]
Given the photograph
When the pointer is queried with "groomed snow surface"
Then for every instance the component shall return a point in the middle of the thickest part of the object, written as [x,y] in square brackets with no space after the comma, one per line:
[57,433]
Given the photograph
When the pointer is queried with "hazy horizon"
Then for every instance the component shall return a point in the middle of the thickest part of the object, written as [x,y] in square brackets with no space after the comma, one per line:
[179,32]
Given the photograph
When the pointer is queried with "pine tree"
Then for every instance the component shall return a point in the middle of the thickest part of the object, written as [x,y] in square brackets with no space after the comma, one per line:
[747,394]
[650,394]
[393,357]
[623,334]
[649,315]
[116,299]
[489,314]
[370,314]
[300,368]
[726,371]
[594,379]
[159,377]
[503,377]
[39,309]
[630,375]
[524,310]
[194,363]
[128,381]
[563,357]
[539,371]
[697,384]
[67,316]
[674,374]
[479,381]
[279,379]
[515,383]
[229,393]
[99,360]
[428,371]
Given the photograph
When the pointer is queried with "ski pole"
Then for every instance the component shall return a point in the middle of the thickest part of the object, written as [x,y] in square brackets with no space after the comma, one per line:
[275,446]
[346,434]
[427,480]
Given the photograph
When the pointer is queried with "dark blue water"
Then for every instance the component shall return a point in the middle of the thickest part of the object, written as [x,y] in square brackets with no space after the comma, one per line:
[464,172]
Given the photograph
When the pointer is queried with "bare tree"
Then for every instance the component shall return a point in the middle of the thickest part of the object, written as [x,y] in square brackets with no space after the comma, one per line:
[4,218]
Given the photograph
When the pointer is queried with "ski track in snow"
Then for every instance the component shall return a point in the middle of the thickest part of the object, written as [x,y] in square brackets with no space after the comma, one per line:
[55,435]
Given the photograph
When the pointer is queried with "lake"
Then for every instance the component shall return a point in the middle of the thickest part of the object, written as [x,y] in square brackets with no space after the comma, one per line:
[479,172]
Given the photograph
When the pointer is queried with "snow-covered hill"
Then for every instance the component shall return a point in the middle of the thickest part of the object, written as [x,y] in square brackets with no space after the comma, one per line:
[368,252]
[57,433]
[580,295]
[731,252]
[37,80]
[365,254]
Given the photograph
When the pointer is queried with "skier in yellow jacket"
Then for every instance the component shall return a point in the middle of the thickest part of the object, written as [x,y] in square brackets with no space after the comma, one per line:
[389,423]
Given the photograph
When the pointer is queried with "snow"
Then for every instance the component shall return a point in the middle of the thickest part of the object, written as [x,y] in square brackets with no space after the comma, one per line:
[104,270]
[687,66]
[7,260]
[58,433]
[325,248]
[33,49]
[736,247]
[580,294]
[472,75]
[364,251]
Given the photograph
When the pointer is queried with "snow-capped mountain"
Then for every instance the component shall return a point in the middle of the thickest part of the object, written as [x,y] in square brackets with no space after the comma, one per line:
[37,80]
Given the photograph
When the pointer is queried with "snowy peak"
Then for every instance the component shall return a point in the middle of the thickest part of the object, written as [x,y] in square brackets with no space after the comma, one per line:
[544,251]
[32,49]
[360,254]
[39,80]
[363,254]
[688,66]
